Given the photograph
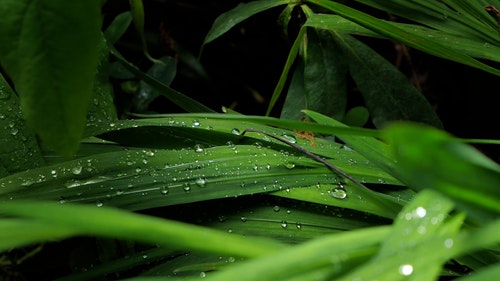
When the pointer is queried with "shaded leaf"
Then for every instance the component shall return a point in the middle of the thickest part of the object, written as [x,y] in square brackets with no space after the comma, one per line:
[387,93]
[19,148]
[229,19]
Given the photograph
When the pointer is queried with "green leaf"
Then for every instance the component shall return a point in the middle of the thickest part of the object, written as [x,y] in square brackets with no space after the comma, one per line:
[177,98]
[471,47]
[295,97]
[50,51]
[229,19]
[418,229]
[414,40]
[118,27]
[429,158]
[387,93]
[19,149]
[108,222]
[325,72]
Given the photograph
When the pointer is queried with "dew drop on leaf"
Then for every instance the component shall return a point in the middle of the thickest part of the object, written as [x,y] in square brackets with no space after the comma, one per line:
[76,170]
[289,138]
[198,148]
[244,219]
[284,224]
[164,190]
[406,269]
[276,208]
[338,193]
[235,131]
[201,182]
[195,123]
[99,204]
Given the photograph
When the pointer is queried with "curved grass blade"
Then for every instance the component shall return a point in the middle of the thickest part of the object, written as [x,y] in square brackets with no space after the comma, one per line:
[108,222]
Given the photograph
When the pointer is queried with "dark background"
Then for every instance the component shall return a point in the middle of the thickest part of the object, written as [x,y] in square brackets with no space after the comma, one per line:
[244,65]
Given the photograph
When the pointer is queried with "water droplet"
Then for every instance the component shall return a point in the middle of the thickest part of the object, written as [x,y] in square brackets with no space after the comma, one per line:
[99,204]
[258,145]
[406,269]
[284,224]
[201,182]
[298,225]
[448,243]
[196,123]
[187,188]
[119,192]
[276,208]
[164,190]
[76,170]
[138,170]
[268,167]
[62,200]
[198,148]
[235,131]
[289,165]
[230,230]
[338,193]
[244,219]
[242,184]
[289,138]
[420,212]
[144,256]
[255,168]
[203,274]
[14,131]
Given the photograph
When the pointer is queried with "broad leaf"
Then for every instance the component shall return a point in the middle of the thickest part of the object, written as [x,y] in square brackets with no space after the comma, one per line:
[50,51]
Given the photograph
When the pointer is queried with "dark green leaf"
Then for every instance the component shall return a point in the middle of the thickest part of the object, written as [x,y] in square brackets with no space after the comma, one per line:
[229,19]
[50,51]
[387,93]
[118,27]
[19,149]
[325,72]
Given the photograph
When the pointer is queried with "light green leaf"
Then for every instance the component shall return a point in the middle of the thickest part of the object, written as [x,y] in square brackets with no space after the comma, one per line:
[50,51]
[429,158]
[109,222]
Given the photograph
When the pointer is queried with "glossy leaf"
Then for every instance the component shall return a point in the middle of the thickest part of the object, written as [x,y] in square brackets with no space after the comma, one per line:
[50,51]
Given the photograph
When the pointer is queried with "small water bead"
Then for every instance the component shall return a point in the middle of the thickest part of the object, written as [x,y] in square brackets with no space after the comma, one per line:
[276,208]
[255,168]
[203,274]
[201,181]
[420,212]
[187,188]
[164,190]
[244,219]
[284,224]
[195,123]
[289,138]
[289,165]
[338,193]
[99,204]
[76,170]
[235,131]
[198,148]
[406,269]
[298,225]
[268,167]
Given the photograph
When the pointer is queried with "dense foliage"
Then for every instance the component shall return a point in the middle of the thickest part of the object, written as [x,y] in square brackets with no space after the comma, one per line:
[96,183]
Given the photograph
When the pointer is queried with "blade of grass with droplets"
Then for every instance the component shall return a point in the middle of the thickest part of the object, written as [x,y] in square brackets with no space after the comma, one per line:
[212,162]
[109,222]
[413,40]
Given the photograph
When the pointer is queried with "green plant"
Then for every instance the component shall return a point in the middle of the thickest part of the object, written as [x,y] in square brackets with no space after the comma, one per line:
[264,209]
